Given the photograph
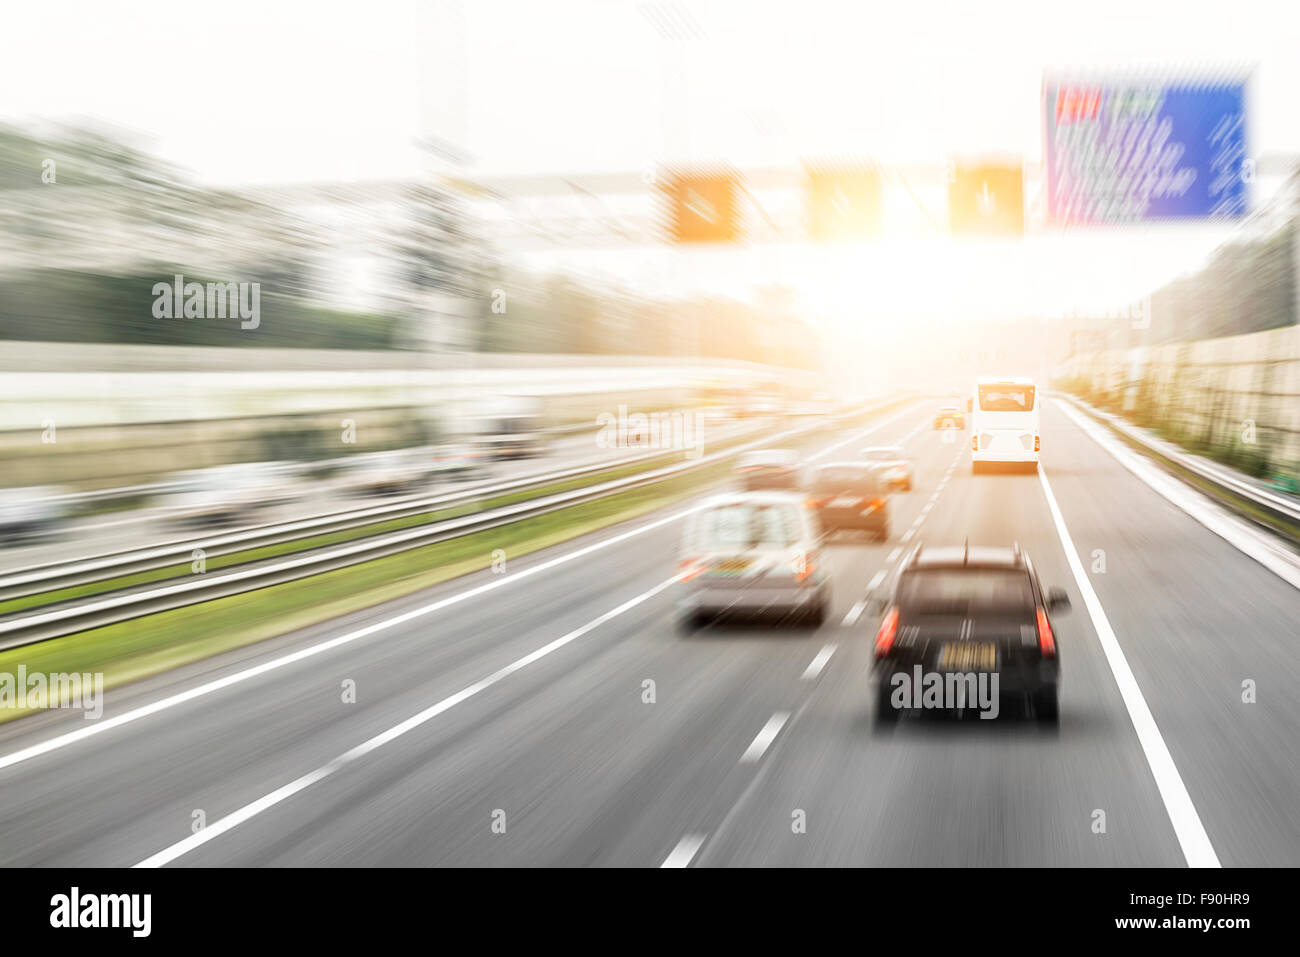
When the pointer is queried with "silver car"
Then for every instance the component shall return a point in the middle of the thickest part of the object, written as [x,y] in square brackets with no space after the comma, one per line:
[894,465]
[752,552]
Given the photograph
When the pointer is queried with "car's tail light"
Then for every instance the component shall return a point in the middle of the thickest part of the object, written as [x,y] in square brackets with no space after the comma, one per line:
[1036,443]
[689,568]
[1046,641]
[974,443]
[803,566]
[885,636]
[875,504]
[817,502]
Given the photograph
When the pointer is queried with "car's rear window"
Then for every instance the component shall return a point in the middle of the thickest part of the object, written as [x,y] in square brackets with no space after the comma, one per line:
[955,591]
[834,479]
[747,525]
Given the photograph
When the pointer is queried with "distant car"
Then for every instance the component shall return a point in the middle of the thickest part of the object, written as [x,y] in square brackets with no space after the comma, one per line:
[224,494]
[950,417]
[760,404]
[751,552]
[850,495]
[771,469]
[895,467]
[457,460]
[509,427]
[29,513]
[385,473]
[967,610]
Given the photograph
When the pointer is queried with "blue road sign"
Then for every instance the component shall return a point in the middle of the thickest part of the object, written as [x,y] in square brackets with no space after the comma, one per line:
[1136,151]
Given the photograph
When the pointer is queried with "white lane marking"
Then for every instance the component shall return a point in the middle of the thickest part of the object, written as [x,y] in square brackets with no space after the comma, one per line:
[858,436]
[855,612]
[928,505]
[199,691]
[763,740]
[893,556]
[876,579]
[1178,803]
[251,810]
[907,535]
[171,701]
[817,664]
[685,851]
[1236,532]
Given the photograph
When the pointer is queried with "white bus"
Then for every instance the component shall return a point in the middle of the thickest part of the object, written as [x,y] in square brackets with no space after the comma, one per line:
[1004,422]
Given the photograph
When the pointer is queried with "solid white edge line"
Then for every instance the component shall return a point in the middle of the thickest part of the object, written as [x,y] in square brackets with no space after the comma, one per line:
[1195,843]
[765,737]
[818,663]
[251,810]
[684,852]
[1254,544]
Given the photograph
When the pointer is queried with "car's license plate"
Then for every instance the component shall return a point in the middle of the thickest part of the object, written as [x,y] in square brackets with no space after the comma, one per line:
[968,656]
[730,566]
[845,501]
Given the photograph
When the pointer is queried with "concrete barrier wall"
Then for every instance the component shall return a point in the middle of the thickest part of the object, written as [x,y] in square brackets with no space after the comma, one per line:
[1217,391]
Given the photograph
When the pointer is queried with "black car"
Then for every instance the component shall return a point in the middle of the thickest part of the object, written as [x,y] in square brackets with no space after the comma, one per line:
[968,612]
[850,495]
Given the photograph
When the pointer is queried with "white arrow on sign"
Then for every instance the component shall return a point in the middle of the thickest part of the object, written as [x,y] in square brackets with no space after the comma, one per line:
[697,204]
[841,203]
[985,202]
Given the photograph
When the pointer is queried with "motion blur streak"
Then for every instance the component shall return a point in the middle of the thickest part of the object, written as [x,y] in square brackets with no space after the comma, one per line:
[1178,803]
[172,701]
[230,821]
[766,354]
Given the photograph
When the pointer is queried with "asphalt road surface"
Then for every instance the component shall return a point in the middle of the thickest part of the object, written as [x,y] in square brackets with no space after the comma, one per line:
[509,719]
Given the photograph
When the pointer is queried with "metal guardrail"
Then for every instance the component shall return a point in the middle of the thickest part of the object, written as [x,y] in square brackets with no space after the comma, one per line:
[1279,506]
[79,571]
[64,618]
[74,500]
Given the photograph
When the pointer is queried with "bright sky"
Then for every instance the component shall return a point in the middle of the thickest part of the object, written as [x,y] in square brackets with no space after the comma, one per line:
[256,91]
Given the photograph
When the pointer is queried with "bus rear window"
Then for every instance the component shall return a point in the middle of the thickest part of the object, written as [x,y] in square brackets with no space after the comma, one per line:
[1006,398]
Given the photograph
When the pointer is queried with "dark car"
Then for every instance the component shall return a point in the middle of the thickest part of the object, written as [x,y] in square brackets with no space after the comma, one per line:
[959,612]
[769,470]
[850,495]
[892,463]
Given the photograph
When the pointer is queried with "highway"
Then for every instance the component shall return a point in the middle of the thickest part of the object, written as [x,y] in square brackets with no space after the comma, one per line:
[508,719]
